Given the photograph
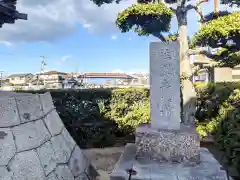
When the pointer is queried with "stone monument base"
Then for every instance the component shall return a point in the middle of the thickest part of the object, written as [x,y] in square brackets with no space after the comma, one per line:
[180,146]
[143,169]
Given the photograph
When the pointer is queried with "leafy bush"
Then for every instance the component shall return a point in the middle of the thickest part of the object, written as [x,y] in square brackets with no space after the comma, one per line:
[94,117]
[209,98]
[129,107]
[220,113]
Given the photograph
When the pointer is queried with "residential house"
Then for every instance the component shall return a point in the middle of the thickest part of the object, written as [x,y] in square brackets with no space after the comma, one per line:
[214,74]
[52,79]
[19,79]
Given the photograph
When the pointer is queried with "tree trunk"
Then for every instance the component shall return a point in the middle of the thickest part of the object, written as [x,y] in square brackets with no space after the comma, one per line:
[188,91]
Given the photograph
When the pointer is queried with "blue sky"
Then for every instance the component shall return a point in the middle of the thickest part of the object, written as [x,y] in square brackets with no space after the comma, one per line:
[91,44]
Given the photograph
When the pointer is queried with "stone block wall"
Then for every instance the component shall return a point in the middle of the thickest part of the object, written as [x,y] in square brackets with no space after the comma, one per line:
[34,144]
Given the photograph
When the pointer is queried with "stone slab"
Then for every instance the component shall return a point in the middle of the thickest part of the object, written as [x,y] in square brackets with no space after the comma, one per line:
[9,115]
[30,135]
[61,149]
[165,85]
[53,123]
[150,170]
[26,166]
[68,139]
[47,102]
[29,108]
[52,176]
[78,163]
[5,174]
[64,173]
[47,157]
[180,146]
[7,146]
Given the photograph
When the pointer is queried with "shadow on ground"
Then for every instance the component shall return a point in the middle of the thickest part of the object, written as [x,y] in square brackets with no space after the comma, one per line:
[219,157]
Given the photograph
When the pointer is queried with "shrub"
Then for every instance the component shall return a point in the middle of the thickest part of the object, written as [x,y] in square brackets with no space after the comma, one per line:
[220,113]
[94,117]
[129,108]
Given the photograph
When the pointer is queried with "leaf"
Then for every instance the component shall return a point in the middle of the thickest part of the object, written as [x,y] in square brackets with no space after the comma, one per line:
[218,31]
[231,2]
[145,19]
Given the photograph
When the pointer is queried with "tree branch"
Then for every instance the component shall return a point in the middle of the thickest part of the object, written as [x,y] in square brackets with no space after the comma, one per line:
[196,8]
[159,36]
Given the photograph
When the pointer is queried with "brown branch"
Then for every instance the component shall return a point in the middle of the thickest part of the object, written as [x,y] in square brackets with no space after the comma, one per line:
[159,36]
[196,8]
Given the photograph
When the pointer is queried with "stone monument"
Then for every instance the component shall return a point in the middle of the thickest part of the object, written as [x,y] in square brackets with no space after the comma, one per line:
[166,149]
[35,145]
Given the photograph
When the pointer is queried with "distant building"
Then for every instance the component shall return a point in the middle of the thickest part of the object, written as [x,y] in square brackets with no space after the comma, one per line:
[214,74]
[52,79]
[20,79]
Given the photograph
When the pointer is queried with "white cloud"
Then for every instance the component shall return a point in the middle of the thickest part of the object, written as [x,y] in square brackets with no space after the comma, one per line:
[49,20]
[113,37]
[63,60]
[6,43]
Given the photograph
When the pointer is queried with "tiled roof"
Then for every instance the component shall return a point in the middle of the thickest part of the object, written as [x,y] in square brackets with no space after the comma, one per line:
[53,73]
[19,75]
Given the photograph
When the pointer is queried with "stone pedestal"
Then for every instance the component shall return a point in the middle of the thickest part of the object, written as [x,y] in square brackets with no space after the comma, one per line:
[207,169]
[180,146]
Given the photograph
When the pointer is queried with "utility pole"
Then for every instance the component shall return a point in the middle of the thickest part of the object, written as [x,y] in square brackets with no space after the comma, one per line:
[43,64]
[1,83]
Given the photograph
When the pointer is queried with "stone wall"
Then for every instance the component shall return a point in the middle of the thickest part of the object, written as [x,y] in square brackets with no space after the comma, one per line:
[34,144]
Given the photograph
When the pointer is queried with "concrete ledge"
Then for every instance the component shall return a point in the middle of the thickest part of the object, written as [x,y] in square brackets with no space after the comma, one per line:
[208,169]
[178,146]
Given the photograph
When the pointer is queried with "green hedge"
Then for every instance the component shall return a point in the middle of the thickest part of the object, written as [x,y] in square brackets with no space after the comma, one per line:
[95,117]
[218,114]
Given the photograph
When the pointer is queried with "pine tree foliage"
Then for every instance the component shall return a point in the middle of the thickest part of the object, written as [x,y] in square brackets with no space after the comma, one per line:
[222,33]
[145,19]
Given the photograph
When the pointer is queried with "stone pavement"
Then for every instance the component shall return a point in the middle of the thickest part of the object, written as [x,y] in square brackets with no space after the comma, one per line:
[35,145]
[208,169]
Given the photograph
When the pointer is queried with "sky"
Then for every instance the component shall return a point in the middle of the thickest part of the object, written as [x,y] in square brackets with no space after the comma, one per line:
[76,36]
